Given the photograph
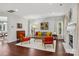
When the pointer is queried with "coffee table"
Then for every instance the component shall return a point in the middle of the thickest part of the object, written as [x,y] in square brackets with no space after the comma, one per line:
[36,37]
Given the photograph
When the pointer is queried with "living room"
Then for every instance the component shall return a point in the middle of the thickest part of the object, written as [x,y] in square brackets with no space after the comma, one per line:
[38,21]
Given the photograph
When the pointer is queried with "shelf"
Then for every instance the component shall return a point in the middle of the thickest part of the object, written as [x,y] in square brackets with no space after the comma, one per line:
[71,26]
[72,23]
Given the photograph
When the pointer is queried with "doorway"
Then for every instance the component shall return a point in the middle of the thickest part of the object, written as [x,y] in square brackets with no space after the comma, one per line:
[3,29]
[60,29]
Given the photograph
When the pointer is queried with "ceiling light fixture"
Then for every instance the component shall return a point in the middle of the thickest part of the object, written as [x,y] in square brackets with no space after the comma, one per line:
[12,11]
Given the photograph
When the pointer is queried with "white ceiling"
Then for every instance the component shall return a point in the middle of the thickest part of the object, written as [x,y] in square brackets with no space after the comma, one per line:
[35,9]
[3,18]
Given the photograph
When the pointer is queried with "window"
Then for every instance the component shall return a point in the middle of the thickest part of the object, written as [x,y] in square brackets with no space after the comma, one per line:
[60,28]
[3,26]
[0,27]
[3,23]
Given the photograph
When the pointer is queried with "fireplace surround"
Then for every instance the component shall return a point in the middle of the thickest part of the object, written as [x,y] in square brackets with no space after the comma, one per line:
[71,40]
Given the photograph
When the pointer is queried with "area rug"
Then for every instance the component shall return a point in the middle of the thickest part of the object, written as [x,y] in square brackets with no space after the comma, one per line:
[37,44]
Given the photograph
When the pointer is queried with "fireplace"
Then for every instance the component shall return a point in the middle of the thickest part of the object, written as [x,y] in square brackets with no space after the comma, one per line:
[22,32]
[71,40]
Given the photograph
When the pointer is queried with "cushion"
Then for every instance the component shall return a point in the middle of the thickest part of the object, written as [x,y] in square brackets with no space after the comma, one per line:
[39,33]
[48,34]
[36,33]
[43,33]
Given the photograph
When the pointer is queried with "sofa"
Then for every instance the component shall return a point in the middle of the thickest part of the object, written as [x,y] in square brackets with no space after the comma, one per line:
[40,34]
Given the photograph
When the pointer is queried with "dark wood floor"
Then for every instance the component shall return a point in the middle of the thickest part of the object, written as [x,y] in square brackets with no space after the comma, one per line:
[12,50]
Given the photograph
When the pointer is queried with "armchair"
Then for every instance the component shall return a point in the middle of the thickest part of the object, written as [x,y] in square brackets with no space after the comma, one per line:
[48,40]
[23,39]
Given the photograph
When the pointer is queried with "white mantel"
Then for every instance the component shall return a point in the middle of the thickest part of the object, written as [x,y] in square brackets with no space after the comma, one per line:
[70,30]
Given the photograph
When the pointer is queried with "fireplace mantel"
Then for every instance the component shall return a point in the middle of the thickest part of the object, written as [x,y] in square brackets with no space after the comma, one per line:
[71,28]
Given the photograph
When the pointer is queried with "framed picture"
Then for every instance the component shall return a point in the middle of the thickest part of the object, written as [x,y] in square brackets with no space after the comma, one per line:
[44,26]
[19,25]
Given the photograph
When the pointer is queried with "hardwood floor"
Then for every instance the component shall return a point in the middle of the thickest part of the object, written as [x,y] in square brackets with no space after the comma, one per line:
[12,50]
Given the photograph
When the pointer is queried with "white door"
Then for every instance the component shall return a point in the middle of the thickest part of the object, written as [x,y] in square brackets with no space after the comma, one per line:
[60,29]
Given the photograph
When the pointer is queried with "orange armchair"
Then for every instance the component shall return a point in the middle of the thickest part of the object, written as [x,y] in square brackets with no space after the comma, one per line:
[22,38]
[48,40]
[26,39]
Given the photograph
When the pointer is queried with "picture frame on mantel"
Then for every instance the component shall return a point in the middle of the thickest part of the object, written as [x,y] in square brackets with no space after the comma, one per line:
[19,25]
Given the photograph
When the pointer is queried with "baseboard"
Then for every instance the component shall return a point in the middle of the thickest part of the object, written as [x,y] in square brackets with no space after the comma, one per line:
[14,42]
[61,40]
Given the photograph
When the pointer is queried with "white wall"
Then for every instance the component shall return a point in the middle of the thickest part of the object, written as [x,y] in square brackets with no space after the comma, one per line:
[14,19]
[74,19]
[52,24]
[77,32]
[24,23]
[12,25]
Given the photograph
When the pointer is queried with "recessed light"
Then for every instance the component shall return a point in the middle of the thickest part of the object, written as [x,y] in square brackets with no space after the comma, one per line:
[60,4]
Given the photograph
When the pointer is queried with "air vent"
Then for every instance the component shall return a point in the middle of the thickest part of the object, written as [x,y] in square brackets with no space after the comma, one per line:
[11,11]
